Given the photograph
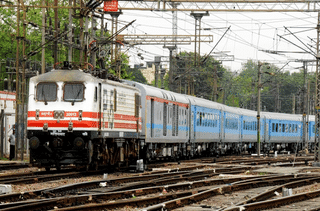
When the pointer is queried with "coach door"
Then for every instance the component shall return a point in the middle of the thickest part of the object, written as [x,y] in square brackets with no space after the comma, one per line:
[192,126]
[267,129]
[105,108]
[137,103]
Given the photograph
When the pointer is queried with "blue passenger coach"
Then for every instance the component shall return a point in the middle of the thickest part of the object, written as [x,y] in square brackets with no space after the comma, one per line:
[205,125]
[176,125]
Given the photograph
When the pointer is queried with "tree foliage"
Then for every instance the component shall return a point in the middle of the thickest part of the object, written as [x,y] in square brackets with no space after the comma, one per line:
[32,37]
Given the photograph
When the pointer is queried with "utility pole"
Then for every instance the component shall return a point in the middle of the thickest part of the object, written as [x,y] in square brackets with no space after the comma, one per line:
[43,39]
[157,60]
[55,44]
[215,83]
[258,108]
[114,47]
[197,17]
[317,104]
[93,37]
[70,33]
[162,73]
[17,80]
[171,49]
[277,99]
[304,107]
[81,36]
[23,86]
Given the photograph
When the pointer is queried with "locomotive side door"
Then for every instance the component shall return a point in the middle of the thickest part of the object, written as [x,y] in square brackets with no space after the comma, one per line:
[100,109]
[110,109]
[105,108]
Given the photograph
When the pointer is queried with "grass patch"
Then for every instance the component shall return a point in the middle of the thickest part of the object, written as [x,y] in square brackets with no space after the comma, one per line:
[1,158]
[263,173]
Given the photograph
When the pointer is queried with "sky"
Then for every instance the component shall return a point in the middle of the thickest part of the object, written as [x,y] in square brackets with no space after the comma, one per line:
[250,34]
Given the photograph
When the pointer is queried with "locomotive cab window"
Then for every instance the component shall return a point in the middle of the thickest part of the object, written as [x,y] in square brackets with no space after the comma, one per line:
[47,92]
[73,92]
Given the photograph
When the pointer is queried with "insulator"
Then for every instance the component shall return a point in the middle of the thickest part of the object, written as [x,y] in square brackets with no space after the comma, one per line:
[95,5]
[89,2]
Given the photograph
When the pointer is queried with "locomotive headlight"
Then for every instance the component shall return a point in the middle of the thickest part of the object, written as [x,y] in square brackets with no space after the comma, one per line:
[78,143]
[45,127]
[34,142]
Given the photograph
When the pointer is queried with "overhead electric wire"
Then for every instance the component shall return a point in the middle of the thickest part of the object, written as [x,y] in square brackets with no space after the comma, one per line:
[234,30]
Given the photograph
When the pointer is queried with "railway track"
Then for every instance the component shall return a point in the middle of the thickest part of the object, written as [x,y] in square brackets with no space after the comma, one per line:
[42,176]
[9,166]
[161,190]
[169,188]
[140,182]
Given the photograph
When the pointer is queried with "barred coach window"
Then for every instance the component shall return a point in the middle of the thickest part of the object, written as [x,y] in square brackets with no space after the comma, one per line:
[73,92]
[47,92]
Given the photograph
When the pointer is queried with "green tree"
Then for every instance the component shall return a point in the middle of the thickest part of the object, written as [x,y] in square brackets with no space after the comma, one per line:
[137,75]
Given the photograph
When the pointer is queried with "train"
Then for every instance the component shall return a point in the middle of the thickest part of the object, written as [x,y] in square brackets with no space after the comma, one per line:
[76,118]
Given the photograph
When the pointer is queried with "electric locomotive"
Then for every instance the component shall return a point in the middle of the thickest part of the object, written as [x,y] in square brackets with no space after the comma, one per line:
[76,118]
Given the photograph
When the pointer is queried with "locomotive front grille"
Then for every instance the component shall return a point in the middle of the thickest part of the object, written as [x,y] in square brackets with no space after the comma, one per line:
[58,114]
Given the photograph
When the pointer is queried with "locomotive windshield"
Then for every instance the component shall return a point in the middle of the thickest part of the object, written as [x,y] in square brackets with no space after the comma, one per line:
[47,92]
[73,92]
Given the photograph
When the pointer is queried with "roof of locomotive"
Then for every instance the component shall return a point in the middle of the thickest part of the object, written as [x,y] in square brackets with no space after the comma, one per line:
[74,76]
[64,75]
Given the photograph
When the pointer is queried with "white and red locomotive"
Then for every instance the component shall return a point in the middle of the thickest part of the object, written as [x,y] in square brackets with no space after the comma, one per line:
[76,118]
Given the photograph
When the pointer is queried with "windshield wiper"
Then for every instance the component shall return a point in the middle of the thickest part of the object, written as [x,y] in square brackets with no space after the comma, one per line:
[74,100]
[44,97]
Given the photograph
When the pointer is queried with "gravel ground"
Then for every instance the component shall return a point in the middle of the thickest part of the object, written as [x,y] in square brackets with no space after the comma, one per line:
[213,203]
[56,183]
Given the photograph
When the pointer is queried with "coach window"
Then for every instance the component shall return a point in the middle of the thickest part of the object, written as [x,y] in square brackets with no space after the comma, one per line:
[290,130]
[205,119]
[73,92]
[198,119]
[277,127]
[47,92]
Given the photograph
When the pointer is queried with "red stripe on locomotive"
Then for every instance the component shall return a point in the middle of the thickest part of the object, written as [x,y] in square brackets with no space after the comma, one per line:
[63,123]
